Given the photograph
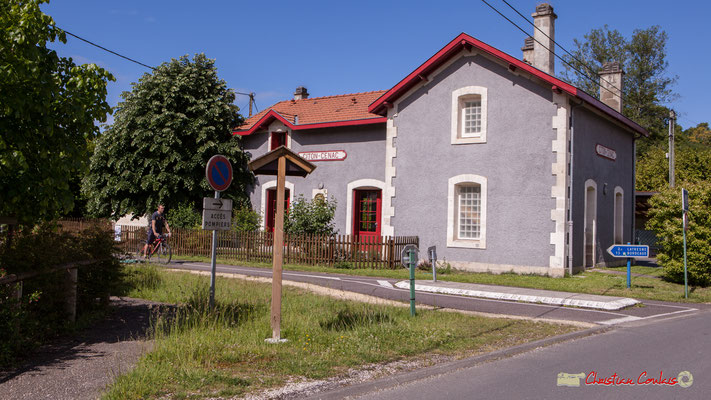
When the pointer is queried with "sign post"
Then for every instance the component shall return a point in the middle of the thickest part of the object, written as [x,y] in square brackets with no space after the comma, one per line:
[409,260]
[628,251]
[432,251]
[219,175]
[685,214]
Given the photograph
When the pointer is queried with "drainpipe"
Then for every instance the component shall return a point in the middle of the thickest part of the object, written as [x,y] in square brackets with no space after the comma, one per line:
[571,190]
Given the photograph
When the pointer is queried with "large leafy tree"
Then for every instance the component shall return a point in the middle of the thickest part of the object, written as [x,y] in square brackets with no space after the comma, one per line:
[165,131]
[647,84]
[48,109]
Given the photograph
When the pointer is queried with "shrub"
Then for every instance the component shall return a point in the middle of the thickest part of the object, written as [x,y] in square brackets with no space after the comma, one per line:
[184,216]
[39,314]
[311,217]
[665,218]
[246,220]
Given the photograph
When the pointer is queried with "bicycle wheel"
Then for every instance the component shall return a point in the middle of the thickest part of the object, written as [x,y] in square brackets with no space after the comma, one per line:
[163,253]
[138,255]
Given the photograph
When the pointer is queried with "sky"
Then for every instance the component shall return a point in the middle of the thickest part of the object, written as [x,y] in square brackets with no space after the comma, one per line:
[339,47]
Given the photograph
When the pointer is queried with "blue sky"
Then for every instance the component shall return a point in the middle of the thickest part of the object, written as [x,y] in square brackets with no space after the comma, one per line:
[338,47]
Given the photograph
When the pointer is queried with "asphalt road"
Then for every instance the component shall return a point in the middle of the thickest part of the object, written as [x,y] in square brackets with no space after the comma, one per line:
[383,288]
[635,352]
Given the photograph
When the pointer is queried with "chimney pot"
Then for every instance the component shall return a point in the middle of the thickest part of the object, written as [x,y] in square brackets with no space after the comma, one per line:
[301,93]
[544,35]
[611,85]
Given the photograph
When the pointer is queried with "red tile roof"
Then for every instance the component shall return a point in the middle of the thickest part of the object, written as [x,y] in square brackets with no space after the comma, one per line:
[317,112]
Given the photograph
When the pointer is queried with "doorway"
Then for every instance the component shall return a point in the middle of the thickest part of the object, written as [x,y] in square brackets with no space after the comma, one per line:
[271,207]
[367,210]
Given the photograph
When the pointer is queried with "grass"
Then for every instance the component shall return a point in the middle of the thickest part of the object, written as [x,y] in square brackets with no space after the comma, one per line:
[591,281]
[203,354]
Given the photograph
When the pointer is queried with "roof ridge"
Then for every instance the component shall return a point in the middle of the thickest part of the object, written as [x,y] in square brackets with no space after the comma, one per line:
[336,95]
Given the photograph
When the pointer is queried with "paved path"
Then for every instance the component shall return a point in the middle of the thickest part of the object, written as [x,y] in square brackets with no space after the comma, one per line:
[82,366]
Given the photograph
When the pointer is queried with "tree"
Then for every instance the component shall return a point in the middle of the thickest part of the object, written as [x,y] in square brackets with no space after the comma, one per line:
[693,164]
[48,109]
[311,217]
[665,218]
[647,86]
[700,134]
[165,131]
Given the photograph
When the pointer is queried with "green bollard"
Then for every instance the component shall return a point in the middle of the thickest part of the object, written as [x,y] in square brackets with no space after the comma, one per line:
[411,261]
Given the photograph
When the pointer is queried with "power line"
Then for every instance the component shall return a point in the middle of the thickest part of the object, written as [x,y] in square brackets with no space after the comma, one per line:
[103,48]
[549,50]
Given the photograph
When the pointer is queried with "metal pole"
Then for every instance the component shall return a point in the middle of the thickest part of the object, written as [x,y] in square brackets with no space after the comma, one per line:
[672,123]
[629,271]
[686,281]
[433,256]
[213,266]
[411,260]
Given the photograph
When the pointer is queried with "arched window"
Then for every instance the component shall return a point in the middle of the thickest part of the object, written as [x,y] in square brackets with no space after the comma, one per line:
[466,211]
[619,216]
[469,110]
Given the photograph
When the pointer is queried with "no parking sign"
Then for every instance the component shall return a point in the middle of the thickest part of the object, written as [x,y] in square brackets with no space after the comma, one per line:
[219,173]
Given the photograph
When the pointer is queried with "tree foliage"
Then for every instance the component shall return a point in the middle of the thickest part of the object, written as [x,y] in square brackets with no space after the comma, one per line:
[165,131]
[665,218]
[246,220]
[647,84]
[692,164]
[48,109]
[311,217]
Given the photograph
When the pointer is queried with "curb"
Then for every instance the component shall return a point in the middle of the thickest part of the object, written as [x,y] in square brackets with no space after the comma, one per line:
[557,301]
[401,379]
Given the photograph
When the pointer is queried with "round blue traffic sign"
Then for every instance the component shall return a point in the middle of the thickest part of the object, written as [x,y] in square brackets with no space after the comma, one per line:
[219,172]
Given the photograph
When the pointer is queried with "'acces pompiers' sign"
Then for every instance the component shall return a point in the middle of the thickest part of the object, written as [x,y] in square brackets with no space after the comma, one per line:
[328,155]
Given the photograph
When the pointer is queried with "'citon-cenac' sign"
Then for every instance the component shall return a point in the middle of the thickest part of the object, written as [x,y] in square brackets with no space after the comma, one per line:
[328,155]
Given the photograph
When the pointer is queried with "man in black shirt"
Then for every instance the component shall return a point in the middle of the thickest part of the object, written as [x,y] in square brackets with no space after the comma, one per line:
[155,228]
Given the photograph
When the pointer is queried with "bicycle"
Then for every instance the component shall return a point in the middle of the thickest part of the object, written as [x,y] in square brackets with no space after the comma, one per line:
[159,248]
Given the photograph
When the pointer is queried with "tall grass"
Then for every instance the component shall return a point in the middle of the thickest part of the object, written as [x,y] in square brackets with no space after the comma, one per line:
[202,353]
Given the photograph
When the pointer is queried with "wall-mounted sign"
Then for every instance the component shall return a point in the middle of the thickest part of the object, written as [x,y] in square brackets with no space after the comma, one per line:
[606,152]
[328,155]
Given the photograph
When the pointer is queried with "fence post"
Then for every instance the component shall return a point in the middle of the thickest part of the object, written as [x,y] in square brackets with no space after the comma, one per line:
[70,282]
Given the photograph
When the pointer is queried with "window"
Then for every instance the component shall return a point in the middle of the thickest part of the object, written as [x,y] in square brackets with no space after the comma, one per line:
[466,209]
[619,214]
[469,110]
[277,139]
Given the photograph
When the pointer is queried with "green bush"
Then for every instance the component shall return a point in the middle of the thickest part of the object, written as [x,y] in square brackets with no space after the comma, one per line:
[246,220]
[184,216]
[39,314]
[665,218]
[313,217]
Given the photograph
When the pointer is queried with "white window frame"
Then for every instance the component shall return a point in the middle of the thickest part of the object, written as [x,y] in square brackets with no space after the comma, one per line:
[362,184]
[619,222]
[460,96]
[452,209]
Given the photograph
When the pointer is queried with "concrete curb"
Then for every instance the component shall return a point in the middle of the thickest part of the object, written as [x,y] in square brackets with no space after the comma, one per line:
[612,305]
[407,377]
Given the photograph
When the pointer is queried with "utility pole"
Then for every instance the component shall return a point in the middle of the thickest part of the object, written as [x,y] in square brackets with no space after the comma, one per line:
[251,101]
[672,124]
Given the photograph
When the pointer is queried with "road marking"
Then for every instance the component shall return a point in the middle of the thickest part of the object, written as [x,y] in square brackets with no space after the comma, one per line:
[616,321]
[386,284]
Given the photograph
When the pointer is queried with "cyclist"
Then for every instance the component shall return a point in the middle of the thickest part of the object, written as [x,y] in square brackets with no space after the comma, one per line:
[155,228]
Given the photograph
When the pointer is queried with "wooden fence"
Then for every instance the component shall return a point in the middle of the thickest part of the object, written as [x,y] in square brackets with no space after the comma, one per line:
[347,251]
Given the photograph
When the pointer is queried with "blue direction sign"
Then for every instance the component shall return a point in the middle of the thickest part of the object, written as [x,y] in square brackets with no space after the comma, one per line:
[628,250]
[219,172]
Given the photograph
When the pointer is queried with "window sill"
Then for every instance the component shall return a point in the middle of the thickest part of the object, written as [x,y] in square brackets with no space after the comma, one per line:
[467,244]
[469,140]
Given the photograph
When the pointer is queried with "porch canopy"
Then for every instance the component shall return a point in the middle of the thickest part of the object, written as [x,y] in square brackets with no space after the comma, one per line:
[268,164]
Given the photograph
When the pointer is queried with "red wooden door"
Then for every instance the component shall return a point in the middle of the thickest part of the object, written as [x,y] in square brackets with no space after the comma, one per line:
[271,207]
[367,213]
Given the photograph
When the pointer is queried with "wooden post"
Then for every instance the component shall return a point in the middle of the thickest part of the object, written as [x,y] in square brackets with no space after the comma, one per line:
[70,281]
[278,251]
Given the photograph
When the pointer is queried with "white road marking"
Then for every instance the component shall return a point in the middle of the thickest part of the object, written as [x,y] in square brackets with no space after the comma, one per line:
[386,284]
[616,321]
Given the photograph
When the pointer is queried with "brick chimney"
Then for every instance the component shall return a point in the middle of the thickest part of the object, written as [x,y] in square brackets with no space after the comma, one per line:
[611,85]
[544,33]
[528,50]
[301,93]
